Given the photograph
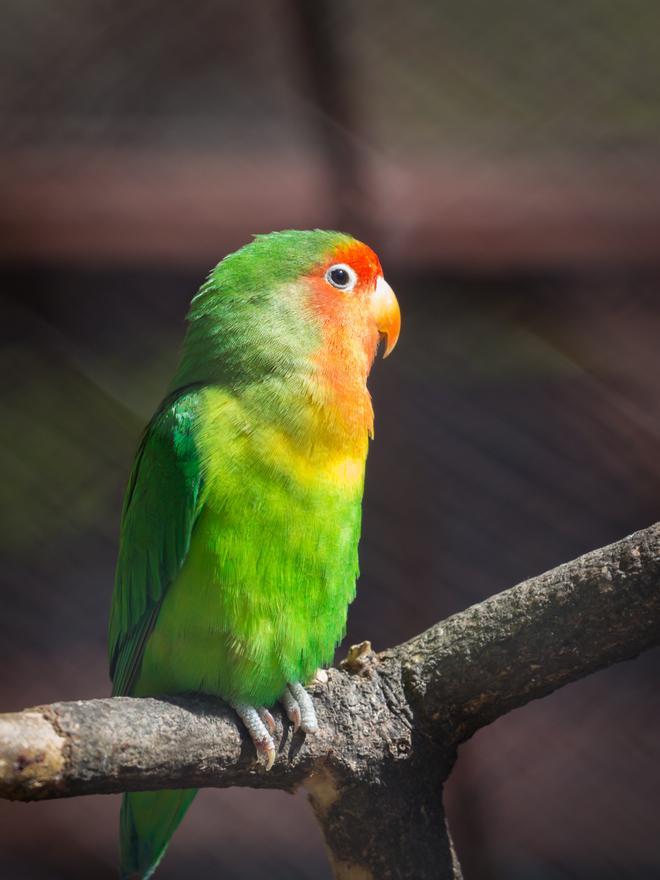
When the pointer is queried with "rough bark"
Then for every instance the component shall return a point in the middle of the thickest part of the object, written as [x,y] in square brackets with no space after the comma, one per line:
[530,640]
[390,723]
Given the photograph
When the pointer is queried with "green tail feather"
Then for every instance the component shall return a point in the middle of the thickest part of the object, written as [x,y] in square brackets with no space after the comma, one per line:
[147,822]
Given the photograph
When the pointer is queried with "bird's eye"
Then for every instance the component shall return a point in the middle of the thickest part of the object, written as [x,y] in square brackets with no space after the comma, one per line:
[341,276]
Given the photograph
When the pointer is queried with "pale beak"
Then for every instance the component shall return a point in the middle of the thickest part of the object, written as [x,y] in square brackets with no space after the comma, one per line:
[386,313]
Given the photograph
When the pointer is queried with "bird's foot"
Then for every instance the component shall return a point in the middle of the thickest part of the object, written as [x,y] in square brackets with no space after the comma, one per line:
[260,724]
[299,707]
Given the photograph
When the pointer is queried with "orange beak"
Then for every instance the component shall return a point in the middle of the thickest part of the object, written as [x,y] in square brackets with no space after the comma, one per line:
[386,314]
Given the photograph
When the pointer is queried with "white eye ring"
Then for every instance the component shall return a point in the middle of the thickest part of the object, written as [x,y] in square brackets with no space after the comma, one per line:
[341,276]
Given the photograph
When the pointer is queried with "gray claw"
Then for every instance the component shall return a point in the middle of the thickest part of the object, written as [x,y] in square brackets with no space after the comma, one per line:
[308,720]
[253,719]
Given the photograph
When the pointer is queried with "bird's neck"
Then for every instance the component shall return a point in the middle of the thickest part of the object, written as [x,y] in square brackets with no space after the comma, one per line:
[321,410]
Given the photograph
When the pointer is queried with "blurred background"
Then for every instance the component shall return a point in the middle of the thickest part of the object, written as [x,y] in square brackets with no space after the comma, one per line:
[504,161]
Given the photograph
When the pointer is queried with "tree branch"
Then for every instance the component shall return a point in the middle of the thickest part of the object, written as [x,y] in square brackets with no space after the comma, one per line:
[528,641]
[131,744]
[389,723]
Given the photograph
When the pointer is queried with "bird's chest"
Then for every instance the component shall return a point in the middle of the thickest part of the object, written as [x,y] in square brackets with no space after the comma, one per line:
[278,513]
[278,488]
[281,510]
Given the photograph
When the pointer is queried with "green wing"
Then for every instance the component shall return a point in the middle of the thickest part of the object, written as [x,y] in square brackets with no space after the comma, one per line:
[162,502]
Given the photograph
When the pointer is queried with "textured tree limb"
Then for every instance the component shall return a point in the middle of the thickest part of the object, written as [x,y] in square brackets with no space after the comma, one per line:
[526,642]
[389,723]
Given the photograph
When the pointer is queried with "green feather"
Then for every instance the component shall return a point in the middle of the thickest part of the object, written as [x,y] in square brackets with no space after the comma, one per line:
[160,508]
[147,821]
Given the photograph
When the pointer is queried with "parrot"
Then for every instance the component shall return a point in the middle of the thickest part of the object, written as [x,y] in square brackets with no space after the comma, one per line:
[238,547]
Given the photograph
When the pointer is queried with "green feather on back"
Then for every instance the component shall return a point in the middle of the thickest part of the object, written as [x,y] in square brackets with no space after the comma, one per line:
[161,504]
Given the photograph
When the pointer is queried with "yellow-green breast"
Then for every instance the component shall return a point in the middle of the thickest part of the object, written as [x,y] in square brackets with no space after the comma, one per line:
[262,596]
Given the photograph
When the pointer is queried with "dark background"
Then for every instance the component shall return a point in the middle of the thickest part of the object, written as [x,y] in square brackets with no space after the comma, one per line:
[503,161]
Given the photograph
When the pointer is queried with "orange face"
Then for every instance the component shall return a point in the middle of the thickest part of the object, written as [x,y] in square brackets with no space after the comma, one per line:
[357,306]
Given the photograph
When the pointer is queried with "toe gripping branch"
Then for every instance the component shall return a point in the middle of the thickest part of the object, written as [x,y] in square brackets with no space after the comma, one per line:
[260,724]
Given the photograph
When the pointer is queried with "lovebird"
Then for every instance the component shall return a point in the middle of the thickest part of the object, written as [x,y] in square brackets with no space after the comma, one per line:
[238,553]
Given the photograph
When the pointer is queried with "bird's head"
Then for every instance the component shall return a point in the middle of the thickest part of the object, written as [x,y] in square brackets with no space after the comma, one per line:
[291,303]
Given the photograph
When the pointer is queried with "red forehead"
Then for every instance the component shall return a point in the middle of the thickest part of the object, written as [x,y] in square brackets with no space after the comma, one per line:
[360,257]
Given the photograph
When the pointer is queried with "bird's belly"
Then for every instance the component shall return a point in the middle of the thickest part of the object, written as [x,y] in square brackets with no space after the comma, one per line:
[262,597]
